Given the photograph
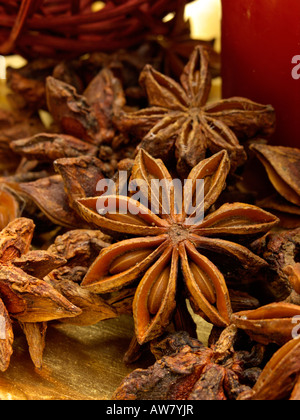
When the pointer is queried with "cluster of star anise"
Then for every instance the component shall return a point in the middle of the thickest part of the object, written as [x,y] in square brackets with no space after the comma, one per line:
[228,253]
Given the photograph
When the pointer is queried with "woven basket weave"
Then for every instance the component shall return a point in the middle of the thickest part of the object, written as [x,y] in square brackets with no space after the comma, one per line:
[63,28]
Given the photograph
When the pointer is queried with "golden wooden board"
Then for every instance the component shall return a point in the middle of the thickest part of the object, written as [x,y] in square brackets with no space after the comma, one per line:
[80,363]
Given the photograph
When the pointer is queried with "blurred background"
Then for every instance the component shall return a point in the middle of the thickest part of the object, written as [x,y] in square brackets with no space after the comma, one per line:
[205,18]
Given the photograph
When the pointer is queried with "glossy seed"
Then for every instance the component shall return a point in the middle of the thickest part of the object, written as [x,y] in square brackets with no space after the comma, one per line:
[203,283]
[128,260]
[158,290]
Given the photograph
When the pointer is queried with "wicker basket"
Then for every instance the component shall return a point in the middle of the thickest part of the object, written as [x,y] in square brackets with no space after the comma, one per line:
[64,28]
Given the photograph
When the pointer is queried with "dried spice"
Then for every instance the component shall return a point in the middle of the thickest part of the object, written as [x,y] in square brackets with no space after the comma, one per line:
[56,196]
[49,147]
[24,298]
[167,237]
[9,207]
[282,165]
[280,250]
[187,370]
[6,338]
[280,378]
[36,338]
[177,47]
[282,168]
[79,247]
[106,97]
[49,195]
[93,308]
[179,118]
[293,273]
[80,176]
[79,128]
[38,263]
[27,84]
[147,262]
[71,111]
[273,323]
[14,126]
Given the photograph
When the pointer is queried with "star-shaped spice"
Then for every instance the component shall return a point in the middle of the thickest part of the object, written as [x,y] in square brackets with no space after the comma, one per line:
[179,117]
[171,241]
[24,295]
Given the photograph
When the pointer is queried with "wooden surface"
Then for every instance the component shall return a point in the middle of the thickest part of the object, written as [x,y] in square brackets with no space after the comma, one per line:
[80,363]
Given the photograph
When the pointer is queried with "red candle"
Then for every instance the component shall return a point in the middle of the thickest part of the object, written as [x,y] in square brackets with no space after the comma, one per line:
[261,59]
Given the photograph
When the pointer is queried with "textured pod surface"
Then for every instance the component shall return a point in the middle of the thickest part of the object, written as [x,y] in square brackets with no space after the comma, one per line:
[282,165]
[273,323]
[280,374]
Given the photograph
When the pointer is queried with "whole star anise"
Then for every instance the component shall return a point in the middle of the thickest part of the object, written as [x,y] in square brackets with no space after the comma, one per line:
[179,117]
[167,238]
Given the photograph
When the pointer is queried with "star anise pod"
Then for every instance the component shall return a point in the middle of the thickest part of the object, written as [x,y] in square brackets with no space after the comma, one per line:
[170,239]
[272,323]
[49,196]
[28,84]
[71,111]
[56,195]
[187,370]
[83,123]
[80,248]
[13,126]
[10,206]
[282,165]
[93,308]
[106,98]
[47,147]
[293,273]
[24,296]
[281,250]
[280,378]
[179,117]
[282,168]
